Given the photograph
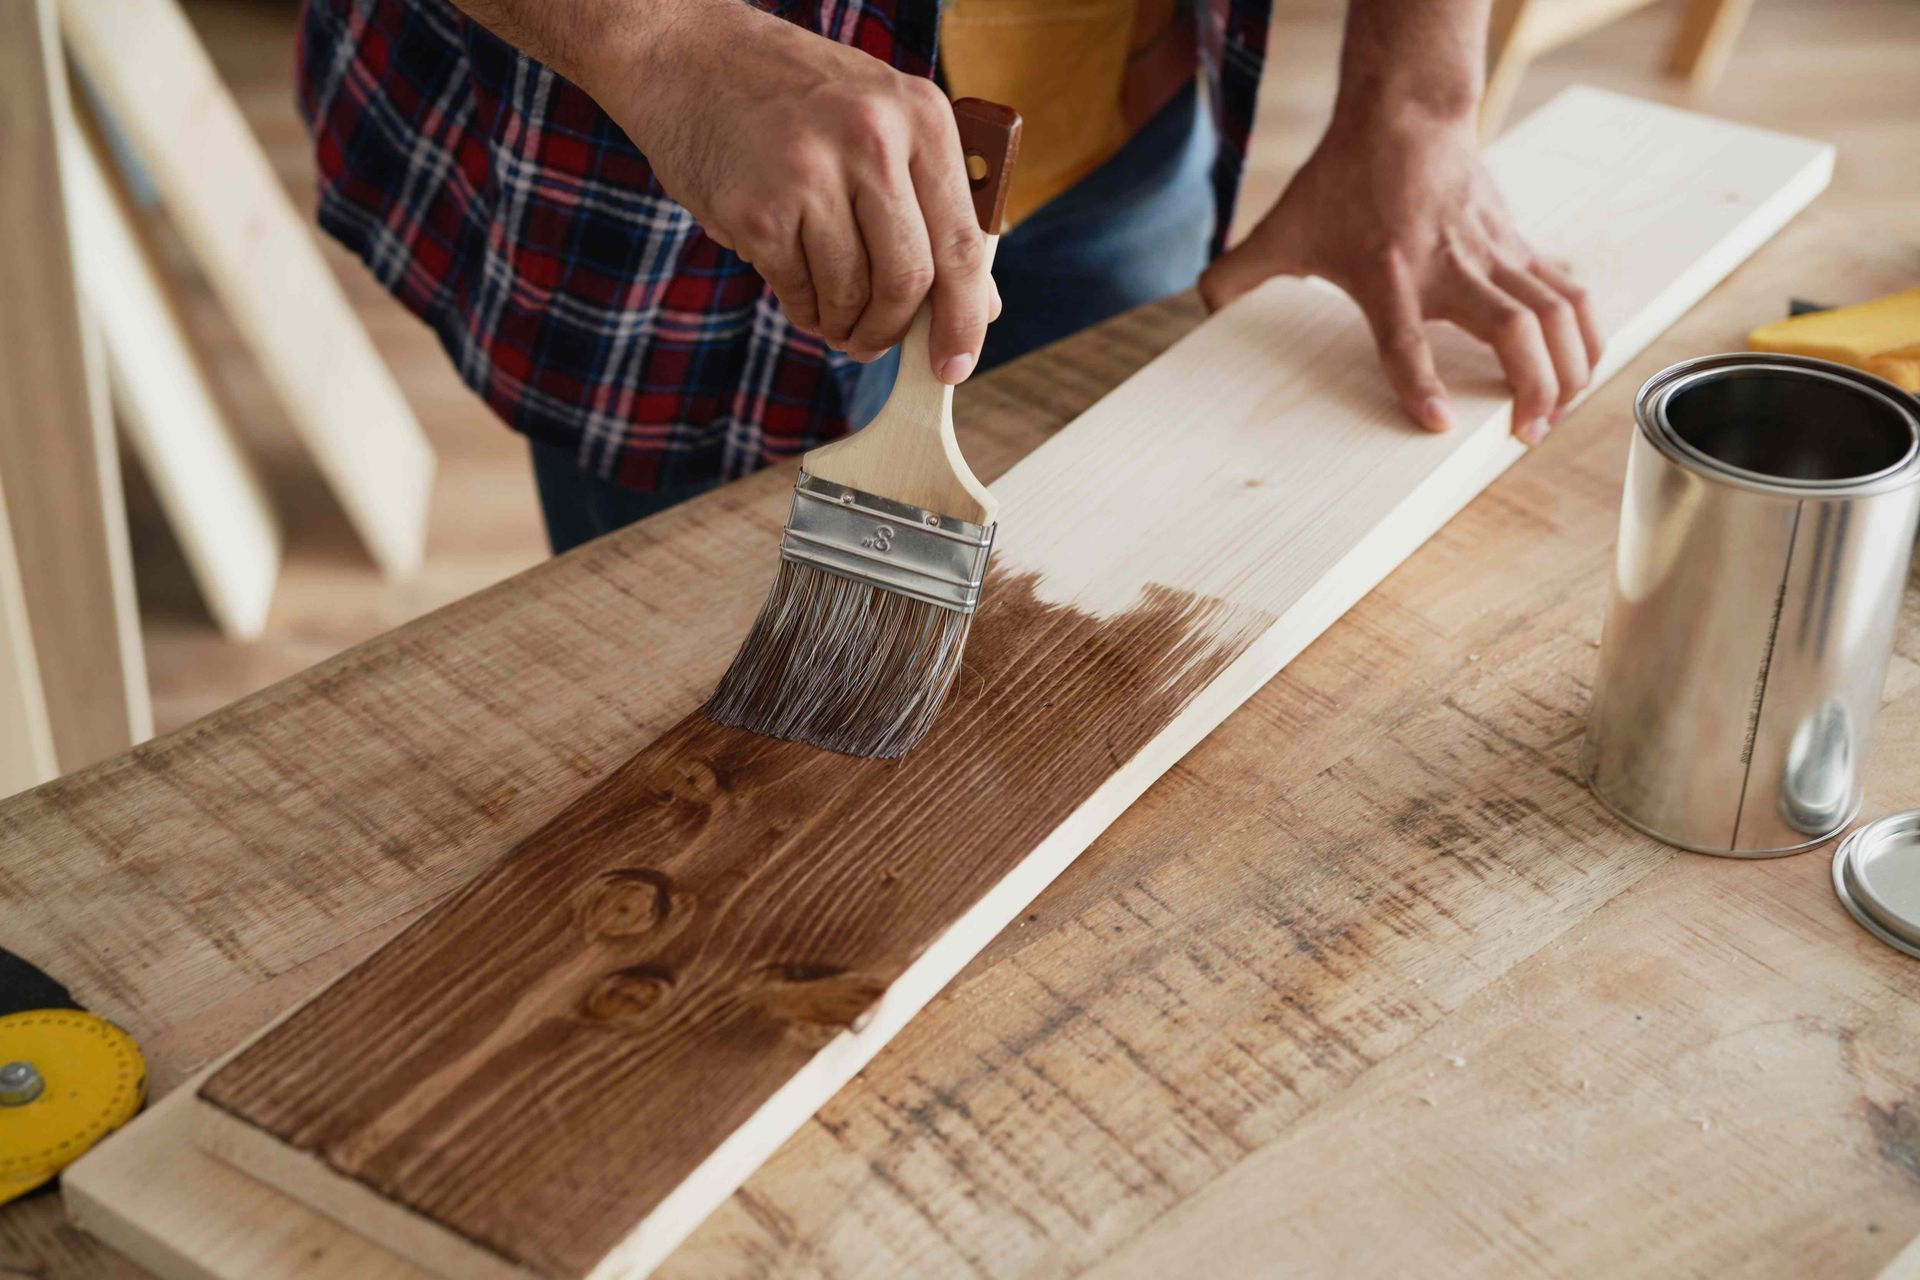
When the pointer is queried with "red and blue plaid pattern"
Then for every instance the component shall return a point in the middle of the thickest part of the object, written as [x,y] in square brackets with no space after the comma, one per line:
[500,204]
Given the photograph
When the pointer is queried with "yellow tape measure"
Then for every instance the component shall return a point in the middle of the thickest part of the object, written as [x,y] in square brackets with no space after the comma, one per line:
[67,1080]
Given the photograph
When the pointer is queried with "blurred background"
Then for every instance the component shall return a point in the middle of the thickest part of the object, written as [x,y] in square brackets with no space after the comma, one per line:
[1839,70]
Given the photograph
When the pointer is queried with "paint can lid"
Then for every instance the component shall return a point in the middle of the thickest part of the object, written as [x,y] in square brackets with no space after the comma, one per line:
[1876,872]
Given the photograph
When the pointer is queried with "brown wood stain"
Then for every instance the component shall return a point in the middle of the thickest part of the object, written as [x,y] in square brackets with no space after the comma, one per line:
[540,1061]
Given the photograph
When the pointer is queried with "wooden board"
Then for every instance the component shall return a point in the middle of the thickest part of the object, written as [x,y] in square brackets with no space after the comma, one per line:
[1181,573]
[1590,1047]
[1374,850]
[262,259]
[199,468]
[26,739]
[56,441]
[454,738]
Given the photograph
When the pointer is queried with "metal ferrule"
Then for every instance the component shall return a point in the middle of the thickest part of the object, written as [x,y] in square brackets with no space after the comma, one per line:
[904,549]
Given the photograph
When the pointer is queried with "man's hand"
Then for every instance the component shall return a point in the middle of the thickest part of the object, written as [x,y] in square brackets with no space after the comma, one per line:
[838,178]
[1395,208]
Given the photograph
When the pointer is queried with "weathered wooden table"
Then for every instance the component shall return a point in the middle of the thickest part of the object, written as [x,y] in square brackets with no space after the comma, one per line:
[1367,983]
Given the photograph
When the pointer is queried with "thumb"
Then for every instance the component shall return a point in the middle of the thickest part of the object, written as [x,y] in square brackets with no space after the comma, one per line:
[1270,249]
[1239,270]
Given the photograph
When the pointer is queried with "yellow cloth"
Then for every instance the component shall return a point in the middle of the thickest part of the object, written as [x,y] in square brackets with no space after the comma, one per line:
[1881,337]
[1061,65]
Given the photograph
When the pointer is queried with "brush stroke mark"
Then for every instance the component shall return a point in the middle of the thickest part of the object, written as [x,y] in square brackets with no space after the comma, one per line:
[822,878]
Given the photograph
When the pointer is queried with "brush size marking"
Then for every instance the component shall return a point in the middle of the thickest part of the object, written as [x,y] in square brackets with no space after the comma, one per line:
[880,539]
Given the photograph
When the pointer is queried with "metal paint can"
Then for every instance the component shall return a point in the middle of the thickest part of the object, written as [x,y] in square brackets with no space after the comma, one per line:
[1765,535]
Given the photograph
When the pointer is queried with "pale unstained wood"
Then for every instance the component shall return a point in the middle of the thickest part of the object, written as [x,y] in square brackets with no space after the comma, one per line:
[1289,491]
[261,256]
[26,739]
[1520,31]
[172,416]
[1703,40]
[1905,1265]
[56,441]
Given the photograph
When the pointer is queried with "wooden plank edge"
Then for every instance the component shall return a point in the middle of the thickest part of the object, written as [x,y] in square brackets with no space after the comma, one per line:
[1904,1265]
[256,1233]
[212,497]
[242,1147]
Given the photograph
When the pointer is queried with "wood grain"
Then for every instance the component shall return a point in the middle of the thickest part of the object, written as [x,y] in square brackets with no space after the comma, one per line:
[144,60]
[540,659]
[928,1158]
[690,935]
[1335,880]
[1127,1041]
[447,1018]
[56,438]
[1588,1048]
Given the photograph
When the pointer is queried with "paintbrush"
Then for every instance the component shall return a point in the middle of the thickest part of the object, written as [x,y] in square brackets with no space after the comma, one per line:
[885,548]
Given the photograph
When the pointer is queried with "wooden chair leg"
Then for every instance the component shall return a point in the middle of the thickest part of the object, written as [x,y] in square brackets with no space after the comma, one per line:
[1704,38]
[1508,53]
[68,521]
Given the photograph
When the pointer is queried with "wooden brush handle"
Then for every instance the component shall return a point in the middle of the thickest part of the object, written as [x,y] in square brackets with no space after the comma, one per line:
[908,452]
[989,145]
[990,140]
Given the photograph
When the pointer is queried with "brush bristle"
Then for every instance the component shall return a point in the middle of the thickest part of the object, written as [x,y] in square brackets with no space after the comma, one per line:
[842,665]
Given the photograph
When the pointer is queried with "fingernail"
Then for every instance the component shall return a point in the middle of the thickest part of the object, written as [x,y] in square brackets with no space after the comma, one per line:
[955,371]
[1533,432]
[1436,414]
[1557,416]
[865,357]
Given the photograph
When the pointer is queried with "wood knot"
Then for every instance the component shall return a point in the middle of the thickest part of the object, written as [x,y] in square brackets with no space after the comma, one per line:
[696,781]
[629,901]
[823,997]
[628,994]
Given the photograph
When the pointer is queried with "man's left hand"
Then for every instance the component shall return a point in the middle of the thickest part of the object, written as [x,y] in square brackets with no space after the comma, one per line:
[1403,216]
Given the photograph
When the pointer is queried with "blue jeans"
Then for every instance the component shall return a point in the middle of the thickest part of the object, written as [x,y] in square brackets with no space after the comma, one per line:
[1133,231]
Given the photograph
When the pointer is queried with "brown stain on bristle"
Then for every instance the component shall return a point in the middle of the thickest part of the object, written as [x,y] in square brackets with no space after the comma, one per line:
[667,952]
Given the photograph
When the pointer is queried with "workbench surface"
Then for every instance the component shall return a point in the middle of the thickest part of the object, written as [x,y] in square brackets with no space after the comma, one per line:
[1368,982]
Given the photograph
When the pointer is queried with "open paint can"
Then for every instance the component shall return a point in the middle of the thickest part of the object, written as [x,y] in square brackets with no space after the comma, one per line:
[1765,536]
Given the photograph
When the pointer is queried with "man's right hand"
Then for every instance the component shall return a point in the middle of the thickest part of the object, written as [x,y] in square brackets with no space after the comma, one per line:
[838,178]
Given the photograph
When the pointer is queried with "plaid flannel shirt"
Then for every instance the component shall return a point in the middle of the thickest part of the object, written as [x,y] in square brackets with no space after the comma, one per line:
[496,200]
